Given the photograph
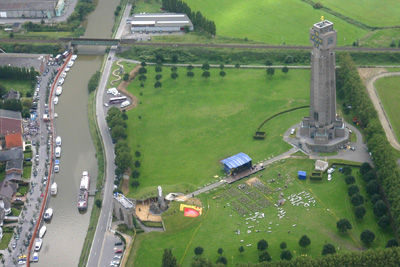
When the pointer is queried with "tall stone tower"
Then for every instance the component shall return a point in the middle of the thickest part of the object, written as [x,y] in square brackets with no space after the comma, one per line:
[323,130]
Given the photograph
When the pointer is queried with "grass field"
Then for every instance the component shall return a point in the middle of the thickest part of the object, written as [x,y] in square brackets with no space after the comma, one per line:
[216,227]
[379,13]
[381,38]
[389,92]
[17,85]
[272,21]
[189,125]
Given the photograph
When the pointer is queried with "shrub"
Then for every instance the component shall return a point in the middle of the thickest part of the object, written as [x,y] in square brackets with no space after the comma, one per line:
[318,5]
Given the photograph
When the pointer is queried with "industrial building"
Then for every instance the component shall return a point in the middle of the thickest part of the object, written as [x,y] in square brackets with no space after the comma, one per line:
[31,8]
[160,22]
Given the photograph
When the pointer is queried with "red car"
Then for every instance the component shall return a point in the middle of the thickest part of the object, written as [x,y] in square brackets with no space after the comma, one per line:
[118,251]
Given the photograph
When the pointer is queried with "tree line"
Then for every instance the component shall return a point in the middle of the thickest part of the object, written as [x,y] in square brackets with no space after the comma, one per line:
[16,73]
[351,89]
[198,20]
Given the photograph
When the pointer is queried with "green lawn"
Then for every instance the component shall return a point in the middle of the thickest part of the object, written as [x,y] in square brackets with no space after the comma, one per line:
[189,125]
[22,86]
[389,92]
[148,6]
[5,240]
[216,227]
[377,13]
[271,21]
[381,38]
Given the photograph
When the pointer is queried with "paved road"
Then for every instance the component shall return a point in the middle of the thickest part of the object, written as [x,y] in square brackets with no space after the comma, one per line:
[373,94]
[101,253]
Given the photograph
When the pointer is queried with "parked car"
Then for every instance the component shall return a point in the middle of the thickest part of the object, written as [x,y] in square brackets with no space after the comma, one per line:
[118,243]
[118,251]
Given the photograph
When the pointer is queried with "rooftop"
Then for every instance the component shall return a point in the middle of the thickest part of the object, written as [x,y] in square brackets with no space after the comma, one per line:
[13,140]
[236,160]
[6,5]
[161,19]
[11,154]
[124,201]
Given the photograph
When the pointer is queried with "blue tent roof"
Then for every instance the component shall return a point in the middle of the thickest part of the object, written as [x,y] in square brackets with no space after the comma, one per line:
[236,160]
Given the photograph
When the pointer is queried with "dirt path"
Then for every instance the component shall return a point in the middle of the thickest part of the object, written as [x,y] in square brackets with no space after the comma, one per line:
[369,77]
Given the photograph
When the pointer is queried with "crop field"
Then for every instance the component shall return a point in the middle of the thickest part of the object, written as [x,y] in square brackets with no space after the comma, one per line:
[225,220]
[389,92]
[185,128]
[379,13]
[272,21]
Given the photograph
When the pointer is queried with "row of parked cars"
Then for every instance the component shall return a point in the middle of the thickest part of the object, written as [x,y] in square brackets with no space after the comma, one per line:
[115,262]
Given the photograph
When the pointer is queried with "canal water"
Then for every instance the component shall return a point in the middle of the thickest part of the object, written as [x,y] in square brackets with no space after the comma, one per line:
[63,242]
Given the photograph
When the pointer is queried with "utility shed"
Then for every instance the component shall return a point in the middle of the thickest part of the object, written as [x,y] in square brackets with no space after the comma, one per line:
[237,163]
[302,175]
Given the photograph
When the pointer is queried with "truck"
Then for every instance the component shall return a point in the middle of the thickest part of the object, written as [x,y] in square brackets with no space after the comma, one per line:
[45,117]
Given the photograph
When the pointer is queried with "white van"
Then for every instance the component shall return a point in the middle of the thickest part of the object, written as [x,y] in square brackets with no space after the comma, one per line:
[125,104]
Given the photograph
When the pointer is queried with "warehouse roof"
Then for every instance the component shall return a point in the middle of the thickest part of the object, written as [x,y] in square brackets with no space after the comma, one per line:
[161,19]
[236,160]
[6,5]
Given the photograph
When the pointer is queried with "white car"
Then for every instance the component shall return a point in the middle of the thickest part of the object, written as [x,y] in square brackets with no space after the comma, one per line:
[125,104]
[105,104]
[292,131]
[331,170]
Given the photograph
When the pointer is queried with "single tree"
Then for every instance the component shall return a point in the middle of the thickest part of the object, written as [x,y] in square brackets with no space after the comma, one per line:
[262,245]
[285,70]
[190,74]
[137,153]
[369,176]
[360,212]
[264,256]
[357,199]
[343,225]
[222,66]
[393,43]
[142,70]
[222,259]
[346,170]
[174,75]
[375,198]
[352,190]
[143,64]
[365,167]
[126,77]
[380,208]
[367,236]
[205,66]
[220,251]
[157,84]
[174,69]
[168,260]
[198,251]
[286,255]
[304,241]
[158,77]
[158,68]
[283,245]
[392,243]
[350,179]
[222,73]
[137,164]
[189,67]
[384,221]
[270,71]
[135,174]
[205,74]
[328,249]
[241,249]
[98,203]
[135,184]
[142,78]
[372,187]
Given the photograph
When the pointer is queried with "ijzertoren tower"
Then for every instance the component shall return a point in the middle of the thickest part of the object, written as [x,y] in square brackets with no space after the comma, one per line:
[323,131]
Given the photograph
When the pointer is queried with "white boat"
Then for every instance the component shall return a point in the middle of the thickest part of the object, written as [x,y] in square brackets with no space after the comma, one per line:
[55,100]
[38,244]
[56,168]
[58,152]
[61,81]
[74,57]
[63,75]
[58,141]
[42,231]
[58,90]
[53,189]
[67,69]
[70,64]
[48,214]
[35,257]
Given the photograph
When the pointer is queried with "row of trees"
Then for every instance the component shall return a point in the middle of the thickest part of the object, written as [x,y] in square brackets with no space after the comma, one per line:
[16,73]
[198,20]
[351,89]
